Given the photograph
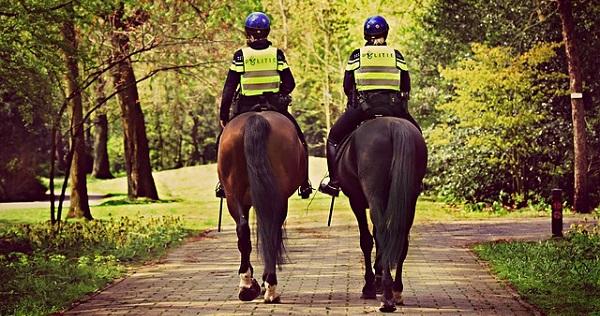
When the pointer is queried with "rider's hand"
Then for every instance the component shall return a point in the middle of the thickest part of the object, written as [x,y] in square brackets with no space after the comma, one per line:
[222,123]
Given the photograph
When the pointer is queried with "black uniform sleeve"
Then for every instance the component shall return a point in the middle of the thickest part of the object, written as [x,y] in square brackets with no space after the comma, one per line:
[349,83]
[353,63]
[288,83]
[231,84]
[404,76]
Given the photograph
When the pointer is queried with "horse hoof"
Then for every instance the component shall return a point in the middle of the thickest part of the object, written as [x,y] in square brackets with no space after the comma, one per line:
[368,292]
[249,294]
[271,295]
[398,298]
[387,308]
[273,300]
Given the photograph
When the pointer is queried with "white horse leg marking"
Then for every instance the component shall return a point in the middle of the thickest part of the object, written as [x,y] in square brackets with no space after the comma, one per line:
[398,298]
[246,279]
[271,294]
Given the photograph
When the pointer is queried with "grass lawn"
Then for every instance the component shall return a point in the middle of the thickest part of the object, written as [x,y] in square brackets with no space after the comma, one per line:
[188,193]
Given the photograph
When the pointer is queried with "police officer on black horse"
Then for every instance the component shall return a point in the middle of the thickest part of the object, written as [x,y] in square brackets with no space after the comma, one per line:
[376,82]
[259,77]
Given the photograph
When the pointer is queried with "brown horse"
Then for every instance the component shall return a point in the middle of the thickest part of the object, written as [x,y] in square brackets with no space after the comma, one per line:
[381,167]
[260,164]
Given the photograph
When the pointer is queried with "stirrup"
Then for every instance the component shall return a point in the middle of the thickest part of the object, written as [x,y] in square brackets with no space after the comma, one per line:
[330,188]
[305,190]
[220,191]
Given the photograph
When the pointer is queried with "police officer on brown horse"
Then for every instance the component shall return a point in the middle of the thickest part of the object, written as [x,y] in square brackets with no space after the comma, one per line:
[261,78]
[376,82]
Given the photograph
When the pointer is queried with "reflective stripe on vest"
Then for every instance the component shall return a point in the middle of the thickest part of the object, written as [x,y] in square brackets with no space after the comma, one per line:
[378,69]
[260,71]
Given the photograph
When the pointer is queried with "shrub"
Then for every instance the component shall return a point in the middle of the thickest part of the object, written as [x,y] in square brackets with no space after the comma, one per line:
[45,267]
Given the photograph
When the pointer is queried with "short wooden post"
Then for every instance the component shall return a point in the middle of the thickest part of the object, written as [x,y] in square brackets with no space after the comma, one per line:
[557,213]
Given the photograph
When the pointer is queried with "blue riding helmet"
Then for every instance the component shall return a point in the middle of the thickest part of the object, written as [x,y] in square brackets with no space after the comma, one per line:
[375,27]
[258,25]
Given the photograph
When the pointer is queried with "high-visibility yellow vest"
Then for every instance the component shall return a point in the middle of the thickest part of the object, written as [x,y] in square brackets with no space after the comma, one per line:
[377,68]
[260,71]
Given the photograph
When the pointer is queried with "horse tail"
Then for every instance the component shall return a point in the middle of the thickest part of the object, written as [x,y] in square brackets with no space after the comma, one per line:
[266,198]
[394,224]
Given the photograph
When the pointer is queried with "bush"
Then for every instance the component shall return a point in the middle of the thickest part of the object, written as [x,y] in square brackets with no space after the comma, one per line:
[500,132]
[44,268]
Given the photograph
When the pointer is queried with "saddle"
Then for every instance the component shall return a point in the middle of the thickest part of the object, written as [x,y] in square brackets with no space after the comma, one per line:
[267,102]
[382,103]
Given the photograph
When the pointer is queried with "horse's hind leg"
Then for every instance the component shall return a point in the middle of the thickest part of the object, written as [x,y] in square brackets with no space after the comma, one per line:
[398,287]
[366,245]
[270,275]
[270,288]
[248,287]
[269,285]
[377,266]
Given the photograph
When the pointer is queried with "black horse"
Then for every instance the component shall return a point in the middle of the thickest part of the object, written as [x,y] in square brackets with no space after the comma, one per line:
[381,167]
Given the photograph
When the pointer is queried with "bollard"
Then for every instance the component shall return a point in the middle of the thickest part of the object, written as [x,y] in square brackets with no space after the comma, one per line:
[557,213]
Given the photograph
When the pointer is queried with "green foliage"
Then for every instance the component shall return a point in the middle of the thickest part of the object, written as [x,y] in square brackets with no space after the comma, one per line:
[128,201]
[47,268]
[493,130]
[448,30]
[29,64]
[560,276]
[39,285]
[180,105]
[125,238]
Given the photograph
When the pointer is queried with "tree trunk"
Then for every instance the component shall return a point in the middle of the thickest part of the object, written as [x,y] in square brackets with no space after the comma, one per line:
[101,168]
[196,156]
[581,201]
[101,161]
[140,182]
[89,151]
[79,197]
[61,164]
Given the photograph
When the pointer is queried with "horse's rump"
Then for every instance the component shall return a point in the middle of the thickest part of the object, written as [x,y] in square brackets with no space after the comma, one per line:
[381,167]
[283,148]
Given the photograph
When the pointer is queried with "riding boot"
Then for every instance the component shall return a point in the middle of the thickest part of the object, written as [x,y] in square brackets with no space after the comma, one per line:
[332,187]
[305,189]
[219,190]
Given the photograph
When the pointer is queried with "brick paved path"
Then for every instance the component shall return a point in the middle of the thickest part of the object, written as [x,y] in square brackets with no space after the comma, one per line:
[325,277]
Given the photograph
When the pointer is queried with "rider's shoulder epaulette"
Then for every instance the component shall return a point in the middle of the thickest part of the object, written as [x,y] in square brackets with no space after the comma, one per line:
[353,60]
[281,62]
[400,62]
[237,63]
